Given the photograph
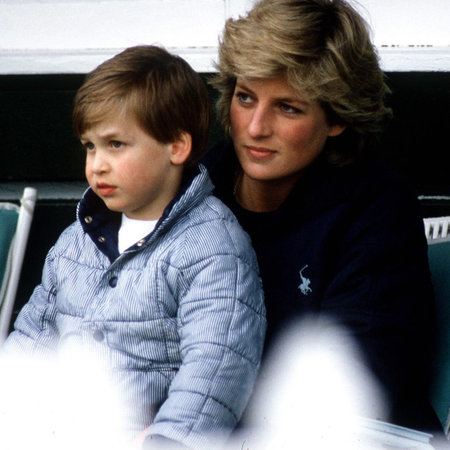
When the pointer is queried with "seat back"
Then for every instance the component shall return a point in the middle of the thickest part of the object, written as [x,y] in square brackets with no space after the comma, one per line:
[438,236]
[14,230]
[9,215]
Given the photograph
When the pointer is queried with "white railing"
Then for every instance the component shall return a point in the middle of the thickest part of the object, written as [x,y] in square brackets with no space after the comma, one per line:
[74,36]
[437,227]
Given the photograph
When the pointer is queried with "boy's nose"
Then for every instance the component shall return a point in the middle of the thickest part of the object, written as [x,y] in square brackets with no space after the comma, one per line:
[97,162]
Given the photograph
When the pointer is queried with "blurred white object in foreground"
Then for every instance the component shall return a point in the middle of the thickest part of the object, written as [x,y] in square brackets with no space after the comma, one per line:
[316,394]
[53,406]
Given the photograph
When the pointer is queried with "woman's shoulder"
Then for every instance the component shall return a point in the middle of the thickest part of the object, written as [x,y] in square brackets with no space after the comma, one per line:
[366,192]
[366,180]
[377,180]
[381,199]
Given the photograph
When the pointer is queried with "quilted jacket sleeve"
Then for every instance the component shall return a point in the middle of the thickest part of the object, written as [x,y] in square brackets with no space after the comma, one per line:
[222,328]
[35,328]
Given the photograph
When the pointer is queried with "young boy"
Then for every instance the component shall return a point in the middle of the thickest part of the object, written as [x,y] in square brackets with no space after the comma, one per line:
[155,279]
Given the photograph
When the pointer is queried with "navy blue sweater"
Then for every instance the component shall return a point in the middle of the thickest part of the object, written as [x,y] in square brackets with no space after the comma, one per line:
[348,243]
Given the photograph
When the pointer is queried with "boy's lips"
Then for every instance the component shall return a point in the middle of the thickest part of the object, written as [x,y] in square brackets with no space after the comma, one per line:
[105,189]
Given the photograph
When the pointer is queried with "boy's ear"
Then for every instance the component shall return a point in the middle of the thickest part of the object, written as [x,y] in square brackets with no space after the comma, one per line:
[181,148]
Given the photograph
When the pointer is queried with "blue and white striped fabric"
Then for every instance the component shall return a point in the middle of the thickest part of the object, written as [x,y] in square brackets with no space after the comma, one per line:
[178,318]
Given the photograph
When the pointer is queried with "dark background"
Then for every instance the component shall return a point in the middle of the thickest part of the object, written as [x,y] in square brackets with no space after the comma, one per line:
[38,146]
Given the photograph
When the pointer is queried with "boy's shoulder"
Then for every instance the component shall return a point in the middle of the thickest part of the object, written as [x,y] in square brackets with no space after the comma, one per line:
[214,208]
[198,206]
[70,238]
[213,225]
[211,210]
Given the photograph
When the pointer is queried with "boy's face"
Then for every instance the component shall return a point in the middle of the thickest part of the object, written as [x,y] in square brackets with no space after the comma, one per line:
[131,171]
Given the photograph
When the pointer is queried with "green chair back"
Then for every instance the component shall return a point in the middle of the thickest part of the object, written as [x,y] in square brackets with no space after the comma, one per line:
[8,224]
[439,260]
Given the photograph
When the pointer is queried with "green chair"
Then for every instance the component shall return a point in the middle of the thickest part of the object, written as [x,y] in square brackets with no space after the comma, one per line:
[438,235]
[15,223]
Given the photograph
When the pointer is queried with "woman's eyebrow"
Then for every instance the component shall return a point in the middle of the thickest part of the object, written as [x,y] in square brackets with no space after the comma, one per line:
[282,99]
[242,85]
[293,100]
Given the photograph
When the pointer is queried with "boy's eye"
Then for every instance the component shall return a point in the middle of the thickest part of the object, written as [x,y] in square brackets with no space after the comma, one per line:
[116,144]
[88,145]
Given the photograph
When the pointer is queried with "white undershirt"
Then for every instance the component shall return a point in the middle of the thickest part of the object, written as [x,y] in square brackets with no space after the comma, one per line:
[132,231]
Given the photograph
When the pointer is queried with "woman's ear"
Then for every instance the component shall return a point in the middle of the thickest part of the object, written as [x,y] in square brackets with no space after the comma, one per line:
[181,148]
[336,129]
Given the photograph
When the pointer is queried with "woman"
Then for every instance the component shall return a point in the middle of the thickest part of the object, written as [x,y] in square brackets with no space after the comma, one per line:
[336,232]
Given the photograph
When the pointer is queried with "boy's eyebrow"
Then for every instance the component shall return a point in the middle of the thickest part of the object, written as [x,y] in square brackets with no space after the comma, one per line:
[106,136]
[109,135]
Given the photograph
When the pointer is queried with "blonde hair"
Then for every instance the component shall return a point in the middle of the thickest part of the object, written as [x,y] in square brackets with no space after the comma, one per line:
[324,49]
[161,90]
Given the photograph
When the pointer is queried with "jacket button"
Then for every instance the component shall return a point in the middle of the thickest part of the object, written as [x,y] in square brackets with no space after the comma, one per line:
[113,282]
[101,239]
[98,335]
[88,219]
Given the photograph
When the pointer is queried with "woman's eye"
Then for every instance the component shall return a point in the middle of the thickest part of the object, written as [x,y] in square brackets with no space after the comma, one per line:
[289,109]
[243,98]
[116,144]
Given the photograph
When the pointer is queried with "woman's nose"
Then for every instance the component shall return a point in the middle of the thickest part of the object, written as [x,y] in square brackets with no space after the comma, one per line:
[260,124]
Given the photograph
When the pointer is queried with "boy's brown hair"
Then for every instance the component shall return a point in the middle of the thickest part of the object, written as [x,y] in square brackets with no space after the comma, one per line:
[161,90]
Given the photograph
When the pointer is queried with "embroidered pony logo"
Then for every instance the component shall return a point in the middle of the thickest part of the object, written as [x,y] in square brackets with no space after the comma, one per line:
[304,286]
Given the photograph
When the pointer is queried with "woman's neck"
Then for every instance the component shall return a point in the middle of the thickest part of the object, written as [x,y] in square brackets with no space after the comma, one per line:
[261,196]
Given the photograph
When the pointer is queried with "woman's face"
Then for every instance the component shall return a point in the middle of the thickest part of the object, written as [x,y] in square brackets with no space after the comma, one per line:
[277,134]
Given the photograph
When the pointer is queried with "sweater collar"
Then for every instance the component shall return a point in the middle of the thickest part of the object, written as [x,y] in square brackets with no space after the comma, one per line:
[321,187]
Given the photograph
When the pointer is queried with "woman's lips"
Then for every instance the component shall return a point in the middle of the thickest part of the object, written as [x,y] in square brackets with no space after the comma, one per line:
[259,152]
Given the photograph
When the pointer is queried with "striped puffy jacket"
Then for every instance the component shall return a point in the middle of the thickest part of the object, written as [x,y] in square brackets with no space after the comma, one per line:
[179,317]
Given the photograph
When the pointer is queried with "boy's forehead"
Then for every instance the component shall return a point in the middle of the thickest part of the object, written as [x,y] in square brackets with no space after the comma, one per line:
[112,126]
[103,111]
